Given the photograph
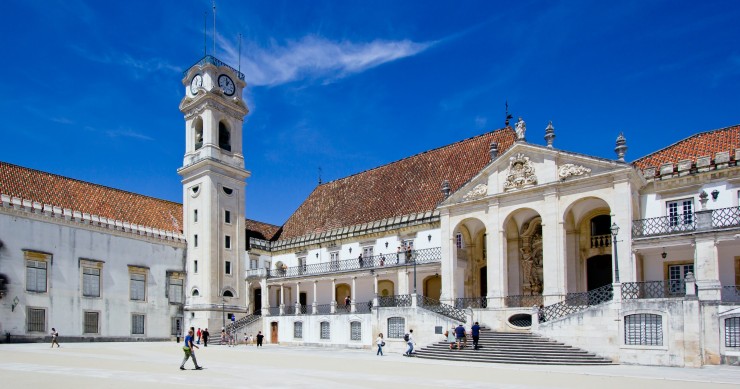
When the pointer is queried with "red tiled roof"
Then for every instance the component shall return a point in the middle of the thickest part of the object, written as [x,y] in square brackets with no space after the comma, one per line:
[699,145]
[64,192]
[411,185]
[261,230]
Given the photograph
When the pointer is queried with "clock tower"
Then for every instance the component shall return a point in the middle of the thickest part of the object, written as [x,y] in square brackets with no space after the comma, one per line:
[213,178]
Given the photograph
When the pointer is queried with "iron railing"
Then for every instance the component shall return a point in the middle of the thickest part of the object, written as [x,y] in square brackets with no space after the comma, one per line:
[441,308]
[653,289]
[274,311]
[421,256]
[243,322]
[523,300]
[214,61]
[323,309]
[305,309]
[726,217]
[598,241]
[399,300]
[731,294]
[471,302]
[365,307]
[575,303]
[343,308]
[289,310]
[663,225]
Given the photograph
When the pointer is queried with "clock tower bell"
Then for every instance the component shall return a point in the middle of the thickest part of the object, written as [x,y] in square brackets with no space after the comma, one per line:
[213,178]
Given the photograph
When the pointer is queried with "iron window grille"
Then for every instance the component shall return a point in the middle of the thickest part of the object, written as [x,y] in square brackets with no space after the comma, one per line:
[36,276]
[396,327]
[138,287]
[36,320]
[355,330]
[644,329]
[298,330]
[91,323]
[90,282]
[176,325]
[325,330]
[137,324]
[732,332]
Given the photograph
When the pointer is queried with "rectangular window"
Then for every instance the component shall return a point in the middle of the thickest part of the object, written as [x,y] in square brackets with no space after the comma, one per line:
[175,290]
[334,258]
[36,276]
[228,267]
[138,287]
[680,213]
[176,326]
[36,319]
[195,216]
[195,266]
[91,323]
[195,240]
[253,263]
[227,242]
[227,217]
[458,240]
[298,330]
[137,324]
[367,252]
[732,332]
[643,329]
[408,244]
[325,333]
[355,330]
[396,327]
[90,282]
[676,276]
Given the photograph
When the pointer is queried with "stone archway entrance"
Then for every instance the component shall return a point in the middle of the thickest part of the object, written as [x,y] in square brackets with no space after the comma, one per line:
[343,290]
[386,288]
[598,271]
[433,286]
[274,332]
[531,258]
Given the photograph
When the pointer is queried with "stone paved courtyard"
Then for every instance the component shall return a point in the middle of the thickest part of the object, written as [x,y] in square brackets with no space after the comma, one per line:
[155,365]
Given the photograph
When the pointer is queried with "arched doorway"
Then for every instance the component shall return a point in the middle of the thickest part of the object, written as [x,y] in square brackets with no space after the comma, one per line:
[433,286]
[386,288]
[343,290]
[469,245]
[598,271]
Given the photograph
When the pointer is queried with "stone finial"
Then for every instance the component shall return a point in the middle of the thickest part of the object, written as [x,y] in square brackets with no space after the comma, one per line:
[621,148]
[493,150]
[703,198]
[446,188]
[549,134]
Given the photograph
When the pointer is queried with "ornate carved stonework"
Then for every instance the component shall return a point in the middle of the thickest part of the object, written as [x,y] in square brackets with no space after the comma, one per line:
[570,169]
[531,257]
[521,173]
[477,192]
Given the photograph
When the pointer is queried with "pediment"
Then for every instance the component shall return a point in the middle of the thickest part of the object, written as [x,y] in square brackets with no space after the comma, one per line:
[525,166]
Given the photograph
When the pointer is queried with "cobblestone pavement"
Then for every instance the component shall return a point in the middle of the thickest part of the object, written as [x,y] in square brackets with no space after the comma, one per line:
[156,365]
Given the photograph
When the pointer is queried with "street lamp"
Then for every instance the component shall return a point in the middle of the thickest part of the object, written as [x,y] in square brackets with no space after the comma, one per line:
[615,230]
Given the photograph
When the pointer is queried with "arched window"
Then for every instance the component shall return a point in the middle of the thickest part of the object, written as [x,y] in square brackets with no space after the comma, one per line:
[196,293]
[643,329]
[198,133]
[224,137]
[325,333]
[396,327]
[298,330]
[228,294]
[355,330]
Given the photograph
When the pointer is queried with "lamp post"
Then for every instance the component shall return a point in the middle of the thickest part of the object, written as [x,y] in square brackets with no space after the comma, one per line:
[223,312]
[615,230]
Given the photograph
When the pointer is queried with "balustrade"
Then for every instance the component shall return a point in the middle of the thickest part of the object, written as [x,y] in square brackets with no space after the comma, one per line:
[523,300]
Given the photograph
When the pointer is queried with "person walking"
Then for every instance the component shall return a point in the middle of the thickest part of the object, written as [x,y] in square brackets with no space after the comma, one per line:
[259,339]
[199,333]
[451,337]
[475,333]
[409,338]
[54,338]
[460,336]
[188,350]
[206,334]
[381,343]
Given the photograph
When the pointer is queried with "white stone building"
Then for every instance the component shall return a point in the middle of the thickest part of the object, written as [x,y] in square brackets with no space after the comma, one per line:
[515,235]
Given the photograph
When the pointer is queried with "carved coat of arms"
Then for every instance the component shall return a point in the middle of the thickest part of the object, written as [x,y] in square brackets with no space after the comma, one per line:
[521,173]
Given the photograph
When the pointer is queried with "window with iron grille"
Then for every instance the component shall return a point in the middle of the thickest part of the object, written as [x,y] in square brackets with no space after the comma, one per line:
[138,287]
[91,323]
[298,330]
[355,330]
[458,240]
[36,319]
[732,332]
[175,290]
[396,327]
[36,276]
[176,325]
[90,282]
[325,334]
[137,324]
[644,329]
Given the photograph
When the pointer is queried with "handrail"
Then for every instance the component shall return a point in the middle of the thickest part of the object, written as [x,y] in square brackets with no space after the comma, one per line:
[523,300]
[663,225]
[441,308]
[213,61]
[243,322]
[576,303]
[398,300]
[471,302]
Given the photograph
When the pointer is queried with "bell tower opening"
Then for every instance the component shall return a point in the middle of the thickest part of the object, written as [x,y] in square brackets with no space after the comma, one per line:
[224,136]
[198,127]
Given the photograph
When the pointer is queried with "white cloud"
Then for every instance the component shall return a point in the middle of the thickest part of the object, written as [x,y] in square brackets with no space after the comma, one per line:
[314,57]
[128,133]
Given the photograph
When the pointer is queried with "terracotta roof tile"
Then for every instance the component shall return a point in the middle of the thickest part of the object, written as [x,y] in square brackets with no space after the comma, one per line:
[407,186]
[261,230]
[703,144]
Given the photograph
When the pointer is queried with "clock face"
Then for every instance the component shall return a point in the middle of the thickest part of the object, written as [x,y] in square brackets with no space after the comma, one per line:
[196,83]
[226,84]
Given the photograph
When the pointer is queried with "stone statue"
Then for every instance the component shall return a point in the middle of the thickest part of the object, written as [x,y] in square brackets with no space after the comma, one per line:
[521,128]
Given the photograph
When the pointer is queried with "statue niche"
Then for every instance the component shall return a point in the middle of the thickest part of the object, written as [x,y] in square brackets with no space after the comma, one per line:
[531,257]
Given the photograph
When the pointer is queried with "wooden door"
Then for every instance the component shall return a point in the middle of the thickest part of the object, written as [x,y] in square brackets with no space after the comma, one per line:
[274,332]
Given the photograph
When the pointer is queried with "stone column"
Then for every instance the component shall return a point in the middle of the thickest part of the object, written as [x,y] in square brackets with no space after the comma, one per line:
[496,261]
[403,281]
[553,261]
[333,295]
[375,289]
[707,269]
[249,299]
[447,262]
[297,298]
[282,300]
[353,302]
[314,306]
[265,297]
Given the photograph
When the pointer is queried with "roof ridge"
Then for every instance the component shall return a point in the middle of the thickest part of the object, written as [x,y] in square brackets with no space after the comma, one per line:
[416,155]
[684,140]
[91,183]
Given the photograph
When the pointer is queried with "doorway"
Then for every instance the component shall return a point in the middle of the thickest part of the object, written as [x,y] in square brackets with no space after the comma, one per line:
[433,287]
[483,281]
[257,301]
[274,332]
[598,271]
[343,290]
[302,299]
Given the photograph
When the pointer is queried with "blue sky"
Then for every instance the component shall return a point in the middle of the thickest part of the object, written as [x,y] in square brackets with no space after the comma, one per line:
[91,89]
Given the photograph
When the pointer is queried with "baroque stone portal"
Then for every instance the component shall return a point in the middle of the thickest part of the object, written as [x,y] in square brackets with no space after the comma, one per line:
[531,257]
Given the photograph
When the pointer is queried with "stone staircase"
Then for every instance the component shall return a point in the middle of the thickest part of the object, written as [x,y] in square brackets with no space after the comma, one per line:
[243,322]
[517,348]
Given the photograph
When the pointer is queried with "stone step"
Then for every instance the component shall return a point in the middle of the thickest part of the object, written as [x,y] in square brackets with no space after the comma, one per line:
[529,361]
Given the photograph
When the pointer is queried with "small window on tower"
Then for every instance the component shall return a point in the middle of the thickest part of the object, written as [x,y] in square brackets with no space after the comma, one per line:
[228,191]
[198,133]
[195,240]
[195,216]
[227,242]
[195,266]
[228,267]
[227,217]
